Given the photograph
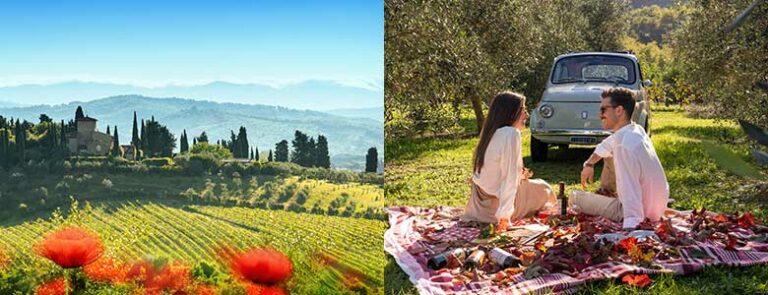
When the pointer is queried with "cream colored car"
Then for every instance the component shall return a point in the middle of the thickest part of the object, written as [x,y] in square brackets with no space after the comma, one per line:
[569,110]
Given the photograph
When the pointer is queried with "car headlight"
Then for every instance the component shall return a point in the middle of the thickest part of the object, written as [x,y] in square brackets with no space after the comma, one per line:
[546,111]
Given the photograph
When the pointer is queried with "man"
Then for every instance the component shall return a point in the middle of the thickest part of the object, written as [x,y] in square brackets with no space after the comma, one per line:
[641,189]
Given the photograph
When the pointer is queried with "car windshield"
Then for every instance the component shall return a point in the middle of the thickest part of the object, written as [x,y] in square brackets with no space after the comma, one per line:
[586,68]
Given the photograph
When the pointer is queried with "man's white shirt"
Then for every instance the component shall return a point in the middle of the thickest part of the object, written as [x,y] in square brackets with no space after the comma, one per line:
[641,185]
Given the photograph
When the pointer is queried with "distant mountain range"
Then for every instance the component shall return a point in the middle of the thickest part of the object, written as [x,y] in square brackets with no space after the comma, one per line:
[376,113]
[349,136]
[310,94]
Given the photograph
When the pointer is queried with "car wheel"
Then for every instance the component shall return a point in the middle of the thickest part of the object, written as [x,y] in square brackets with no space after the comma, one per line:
[539,150]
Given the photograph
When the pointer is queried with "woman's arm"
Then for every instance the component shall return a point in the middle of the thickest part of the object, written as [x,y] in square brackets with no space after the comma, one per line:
[510,155]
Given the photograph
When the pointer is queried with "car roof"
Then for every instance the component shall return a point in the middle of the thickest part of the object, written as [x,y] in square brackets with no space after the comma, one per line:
[617,54]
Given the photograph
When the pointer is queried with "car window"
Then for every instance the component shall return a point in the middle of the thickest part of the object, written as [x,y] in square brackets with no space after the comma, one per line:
[594,68]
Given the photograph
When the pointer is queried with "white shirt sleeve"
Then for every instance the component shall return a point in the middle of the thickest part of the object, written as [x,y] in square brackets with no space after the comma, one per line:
[510,176]
[628,186]
[605,147]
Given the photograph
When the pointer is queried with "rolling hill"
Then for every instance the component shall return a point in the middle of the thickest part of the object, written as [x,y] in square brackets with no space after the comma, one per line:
[309,94]
[266,125]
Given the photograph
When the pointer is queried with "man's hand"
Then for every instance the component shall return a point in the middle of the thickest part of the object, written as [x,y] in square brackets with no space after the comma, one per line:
[527,173]
[587,176]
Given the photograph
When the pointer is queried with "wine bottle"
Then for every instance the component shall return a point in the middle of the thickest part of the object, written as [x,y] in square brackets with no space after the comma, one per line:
[563,199]
[446,258]
[503,258]
[476,259]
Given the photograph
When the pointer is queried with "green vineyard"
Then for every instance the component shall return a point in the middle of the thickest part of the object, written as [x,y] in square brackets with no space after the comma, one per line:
[133,230]
[331,231]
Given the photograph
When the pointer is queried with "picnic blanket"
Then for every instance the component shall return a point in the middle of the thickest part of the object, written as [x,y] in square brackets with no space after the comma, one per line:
[569,254]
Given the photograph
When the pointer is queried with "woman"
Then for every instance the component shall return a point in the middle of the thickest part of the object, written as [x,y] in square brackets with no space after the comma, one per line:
[501,188]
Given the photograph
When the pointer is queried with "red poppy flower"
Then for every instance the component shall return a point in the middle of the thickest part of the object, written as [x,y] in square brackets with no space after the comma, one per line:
[205,290]
[628,243]
[637,280]
[70,247]
[54,287]
[106,269]
[265,266]
[172,277]
[746,220]
[141,271]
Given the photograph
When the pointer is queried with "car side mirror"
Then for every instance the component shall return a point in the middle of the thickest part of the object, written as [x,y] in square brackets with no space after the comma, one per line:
[647,83]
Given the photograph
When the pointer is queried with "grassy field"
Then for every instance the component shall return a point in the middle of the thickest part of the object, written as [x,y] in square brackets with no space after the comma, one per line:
[706,162]
[37,194]
[187,218]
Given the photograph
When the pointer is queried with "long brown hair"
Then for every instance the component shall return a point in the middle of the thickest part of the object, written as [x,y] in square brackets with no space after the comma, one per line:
[505,109]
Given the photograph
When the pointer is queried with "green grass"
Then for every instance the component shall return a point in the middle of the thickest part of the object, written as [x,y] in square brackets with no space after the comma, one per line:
[430,172]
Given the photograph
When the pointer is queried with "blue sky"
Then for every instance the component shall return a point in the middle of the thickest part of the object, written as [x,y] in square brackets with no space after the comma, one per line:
[154,43]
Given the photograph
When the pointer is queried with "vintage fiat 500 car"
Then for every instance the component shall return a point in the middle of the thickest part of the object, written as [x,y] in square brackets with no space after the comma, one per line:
[569,110]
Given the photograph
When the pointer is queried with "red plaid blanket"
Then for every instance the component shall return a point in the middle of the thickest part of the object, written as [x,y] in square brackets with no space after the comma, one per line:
[415,232]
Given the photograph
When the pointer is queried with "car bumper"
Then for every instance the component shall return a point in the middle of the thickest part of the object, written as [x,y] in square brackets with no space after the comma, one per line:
[570,136]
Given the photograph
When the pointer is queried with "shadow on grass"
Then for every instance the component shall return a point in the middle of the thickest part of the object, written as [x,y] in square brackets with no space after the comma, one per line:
[700,132]
[227,221]
[562,165]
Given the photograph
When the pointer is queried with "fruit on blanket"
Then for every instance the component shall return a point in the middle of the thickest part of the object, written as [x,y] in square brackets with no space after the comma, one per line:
[447,258]
[488,232]
[746,220]
[503,258]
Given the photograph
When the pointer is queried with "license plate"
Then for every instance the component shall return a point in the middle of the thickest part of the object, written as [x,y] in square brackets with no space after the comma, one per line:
[583,140]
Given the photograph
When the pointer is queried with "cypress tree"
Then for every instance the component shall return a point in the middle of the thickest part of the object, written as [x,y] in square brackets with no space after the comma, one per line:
[135,135]
[371,160]
[184,145]
[251,158]
[281,151]
[63,134]
[311,160]
[236,152]
[116,147]
[323,159]
[194,141]
[79,113]
[21,139]
[256,154]
[242,140]
[108,130]
[301,150]
[143,140]
[270,156]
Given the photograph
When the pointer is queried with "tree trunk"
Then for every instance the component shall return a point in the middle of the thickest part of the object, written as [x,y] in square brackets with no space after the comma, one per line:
[477,106]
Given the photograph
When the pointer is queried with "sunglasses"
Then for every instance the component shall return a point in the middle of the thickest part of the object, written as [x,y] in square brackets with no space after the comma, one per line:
[602,109]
